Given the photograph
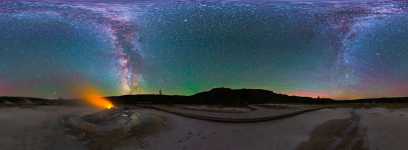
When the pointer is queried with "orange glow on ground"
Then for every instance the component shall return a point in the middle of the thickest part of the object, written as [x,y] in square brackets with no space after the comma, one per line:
[95,98]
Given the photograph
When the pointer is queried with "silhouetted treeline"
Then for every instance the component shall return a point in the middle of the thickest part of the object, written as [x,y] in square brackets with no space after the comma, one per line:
[217,96]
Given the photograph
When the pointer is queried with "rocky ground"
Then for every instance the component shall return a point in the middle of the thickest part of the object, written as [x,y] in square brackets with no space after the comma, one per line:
[79,127]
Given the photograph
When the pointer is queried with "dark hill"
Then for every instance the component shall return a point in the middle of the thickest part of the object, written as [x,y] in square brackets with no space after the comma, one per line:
[219,96]
[216,96]
[237,96]
[235,93]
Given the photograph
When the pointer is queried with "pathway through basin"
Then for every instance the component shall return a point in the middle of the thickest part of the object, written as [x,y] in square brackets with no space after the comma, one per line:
[232,120]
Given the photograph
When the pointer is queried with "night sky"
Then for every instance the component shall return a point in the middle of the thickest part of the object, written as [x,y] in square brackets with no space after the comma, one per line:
[336,49]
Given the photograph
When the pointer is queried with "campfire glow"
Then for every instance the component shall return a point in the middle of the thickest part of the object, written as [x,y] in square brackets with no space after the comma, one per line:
[93,97]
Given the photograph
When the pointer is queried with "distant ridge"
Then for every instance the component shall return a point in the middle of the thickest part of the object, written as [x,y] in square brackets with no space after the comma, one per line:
[19,101]
[219,96]
[237,96]
[227,96]
[237,93]
[216,96]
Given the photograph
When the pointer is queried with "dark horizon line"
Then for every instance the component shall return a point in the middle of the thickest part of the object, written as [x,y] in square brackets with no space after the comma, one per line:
[158,94]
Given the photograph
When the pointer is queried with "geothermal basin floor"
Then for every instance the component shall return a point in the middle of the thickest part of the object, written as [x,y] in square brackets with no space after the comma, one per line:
[42,128]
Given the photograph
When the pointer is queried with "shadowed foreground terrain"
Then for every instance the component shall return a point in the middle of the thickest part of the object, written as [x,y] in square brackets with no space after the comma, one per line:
[36,124]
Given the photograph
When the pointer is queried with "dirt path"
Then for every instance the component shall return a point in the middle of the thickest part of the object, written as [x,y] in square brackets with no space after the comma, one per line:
[338,134]
[232,120]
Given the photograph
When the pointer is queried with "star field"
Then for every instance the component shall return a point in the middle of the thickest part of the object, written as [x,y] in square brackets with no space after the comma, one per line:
[337,49]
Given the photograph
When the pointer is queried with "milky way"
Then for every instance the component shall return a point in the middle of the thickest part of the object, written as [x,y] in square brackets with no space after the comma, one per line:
[113,19]
[339,49]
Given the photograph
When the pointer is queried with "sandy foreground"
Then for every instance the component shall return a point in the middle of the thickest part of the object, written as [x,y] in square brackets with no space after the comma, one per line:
[42,128]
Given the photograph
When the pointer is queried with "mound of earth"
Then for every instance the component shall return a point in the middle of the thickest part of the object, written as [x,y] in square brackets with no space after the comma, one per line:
[105,129]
